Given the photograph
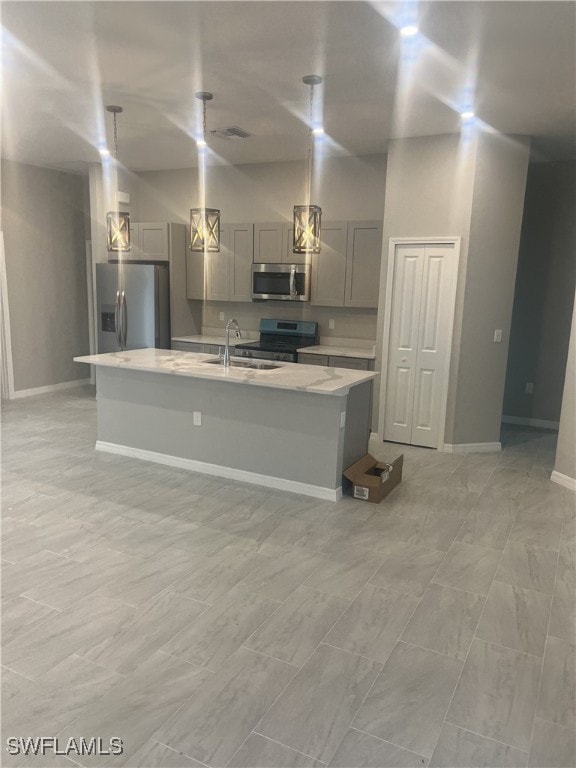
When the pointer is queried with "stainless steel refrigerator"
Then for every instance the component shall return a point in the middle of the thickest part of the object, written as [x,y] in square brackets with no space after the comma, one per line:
[133,306]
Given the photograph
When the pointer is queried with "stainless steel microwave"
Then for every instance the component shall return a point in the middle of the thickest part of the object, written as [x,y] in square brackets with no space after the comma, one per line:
[281,282]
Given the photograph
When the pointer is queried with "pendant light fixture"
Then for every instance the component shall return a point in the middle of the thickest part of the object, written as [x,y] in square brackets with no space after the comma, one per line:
[307,217]
[117,222]
[204,222]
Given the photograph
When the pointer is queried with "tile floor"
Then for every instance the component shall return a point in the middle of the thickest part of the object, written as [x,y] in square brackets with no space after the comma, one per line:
[219,624]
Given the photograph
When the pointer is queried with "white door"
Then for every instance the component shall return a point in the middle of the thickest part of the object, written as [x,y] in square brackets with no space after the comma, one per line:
[419,342]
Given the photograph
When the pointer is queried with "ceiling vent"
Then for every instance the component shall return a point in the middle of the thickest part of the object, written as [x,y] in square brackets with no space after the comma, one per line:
[234,132]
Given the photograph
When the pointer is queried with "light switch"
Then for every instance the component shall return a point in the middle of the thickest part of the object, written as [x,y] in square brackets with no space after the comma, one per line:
[331,324]
[497,336]
[197,417]
[221,315]
[342,419]
[529,388]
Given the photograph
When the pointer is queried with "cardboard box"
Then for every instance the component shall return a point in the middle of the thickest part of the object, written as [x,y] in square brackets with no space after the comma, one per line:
[372,480]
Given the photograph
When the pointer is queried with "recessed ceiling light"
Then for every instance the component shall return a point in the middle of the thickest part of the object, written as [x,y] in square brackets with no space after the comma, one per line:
[200,143]
[104,152]
[468,115]
[319,131]
[409,30]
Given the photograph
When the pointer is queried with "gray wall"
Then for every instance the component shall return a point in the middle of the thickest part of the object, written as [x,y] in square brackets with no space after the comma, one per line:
[497,205]
[346,188]
[544,293]
[429,186]
[566,449]
[43,221]
[460,186]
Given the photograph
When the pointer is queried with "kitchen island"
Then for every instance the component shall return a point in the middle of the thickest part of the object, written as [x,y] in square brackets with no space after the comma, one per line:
[286,426]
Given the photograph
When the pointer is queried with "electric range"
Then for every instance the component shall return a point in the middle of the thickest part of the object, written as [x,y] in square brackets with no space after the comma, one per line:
[280,340]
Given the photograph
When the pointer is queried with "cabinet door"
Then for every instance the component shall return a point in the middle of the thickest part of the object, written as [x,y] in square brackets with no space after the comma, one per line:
[241,248]
[288,255]
[218,269]
[363,256]
[309,358]
[355,363]
[195,288]
[153,241]
[187,346]
[329,266]
[269,244]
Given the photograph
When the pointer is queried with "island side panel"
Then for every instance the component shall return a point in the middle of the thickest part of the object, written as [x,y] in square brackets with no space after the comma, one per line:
[358,422]
[293,435]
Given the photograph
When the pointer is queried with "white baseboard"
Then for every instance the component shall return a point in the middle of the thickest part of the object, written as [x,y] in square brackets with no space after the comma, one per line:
[472,447]
[526,422]
[228,473]
[50,388]
[565,480]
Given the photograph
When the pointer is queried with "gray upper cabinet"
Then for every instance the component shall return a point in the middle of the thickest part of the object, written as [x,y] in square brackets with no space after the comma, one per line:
[195,288]
[228,272]
[329,266]
[149,241]
[269,242]
[241,250]
[217,267]
[363,254]
[273,243]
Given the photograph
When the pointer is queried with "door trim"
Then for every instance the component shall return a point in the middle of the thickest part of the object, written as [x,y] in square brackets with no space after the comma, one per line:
[393,242]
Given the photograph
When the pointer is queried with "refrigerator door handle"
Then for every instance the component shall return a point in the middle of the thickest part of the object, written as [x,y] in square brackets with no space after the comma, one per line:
[117,320]
[124,331]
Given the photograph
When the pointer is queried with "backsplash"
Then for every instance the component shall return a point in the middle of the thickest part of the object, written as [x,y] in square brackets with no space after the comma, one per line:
[349,323]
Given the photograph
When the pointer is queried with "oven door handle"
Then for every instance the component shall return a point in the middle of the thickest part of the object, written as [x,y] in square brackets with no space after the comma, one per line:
[293,281]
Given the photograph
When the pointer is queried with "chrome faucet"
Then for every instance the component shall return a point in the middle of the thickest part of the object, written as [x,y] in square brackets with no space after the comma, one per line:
[229,326]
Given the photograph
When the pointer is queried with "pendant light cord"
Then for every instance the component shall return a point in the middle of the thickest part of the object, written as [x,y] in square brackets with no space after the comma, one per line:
[310,146]
[115,139]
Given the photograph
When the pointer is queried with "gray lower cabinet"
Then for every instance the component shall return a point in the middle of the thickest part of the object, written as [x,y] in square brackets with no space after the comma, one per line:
[187,346]
[335,361]
[346,272]
[195,346]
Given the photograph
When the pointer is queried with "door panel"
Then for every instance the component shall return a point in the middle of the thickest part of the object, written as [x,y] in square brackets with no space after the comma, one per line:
[407,276]
[432,346]
[419,343]
[139,285]
[107,285]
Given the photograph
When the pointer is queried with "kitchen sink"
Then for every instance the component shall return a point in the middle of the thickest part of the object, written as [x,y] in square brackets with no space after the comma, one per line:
[254,364]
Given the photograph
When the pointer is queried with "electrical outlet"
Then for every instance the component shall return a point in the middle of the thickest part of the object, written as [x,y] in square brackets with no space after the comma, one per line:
[221,315]
[497,336]
[331,324]
[529,388]
[197,417]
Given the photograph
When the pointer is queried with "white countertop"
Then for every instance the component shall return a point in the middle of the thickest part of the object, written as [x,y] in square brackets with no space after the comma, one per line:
[323,349]
[213,339]
[306,378]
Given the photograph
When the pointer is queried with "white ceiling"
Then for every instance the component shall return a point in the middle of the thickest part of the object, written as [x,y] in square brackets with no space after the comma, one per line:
[64,61]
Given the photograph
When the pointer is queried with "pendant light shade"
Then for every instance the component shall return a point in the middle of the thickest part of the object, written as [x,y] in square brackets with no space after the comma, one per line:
[205,229]
[117,222]
[118,231]
[307,218]
[204,222]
